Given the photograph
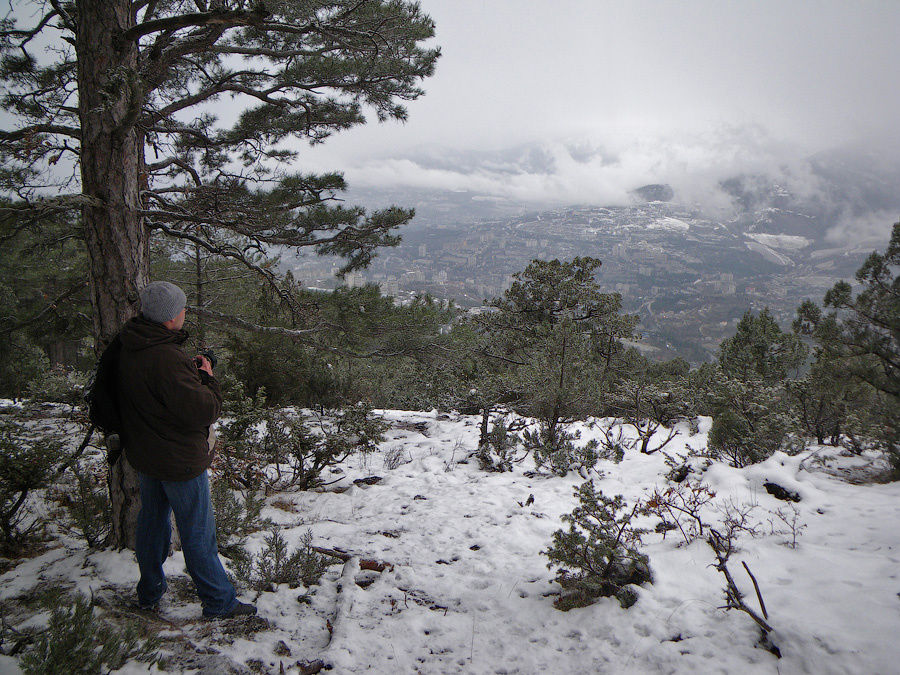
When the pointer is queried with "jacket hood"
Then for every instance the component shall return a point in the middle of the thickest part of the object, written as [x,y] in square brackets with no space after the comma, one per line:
[140,333]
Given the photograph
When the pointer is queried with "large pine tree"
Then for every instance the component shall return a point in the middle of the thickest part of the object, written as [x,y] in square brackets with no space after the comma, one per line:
[126,92]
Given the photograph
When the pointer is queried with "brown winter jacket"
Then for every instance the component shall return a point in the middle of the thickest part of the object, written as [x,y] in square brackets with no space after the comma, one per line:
[166,403]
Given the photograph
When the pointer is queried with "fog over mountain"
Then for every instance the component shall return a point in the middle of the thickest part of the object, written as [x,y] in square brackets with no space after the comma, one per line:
[840,197]
[583,101]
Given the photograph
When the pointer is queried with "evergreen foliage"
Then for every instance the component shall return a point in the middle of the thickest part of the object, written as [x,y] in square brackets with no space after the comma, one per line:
[277,564]
[28,458]
[545,350]
[86,502]
[236,518]
[598,554]
[556,448]
[73,643]
[499,449]
[43,301]
[272,448]
[21,360]
[760,351]
[750,424]
[868,325]
[822,401]
[857,366]
[57,385]
[751,417]
[362,324]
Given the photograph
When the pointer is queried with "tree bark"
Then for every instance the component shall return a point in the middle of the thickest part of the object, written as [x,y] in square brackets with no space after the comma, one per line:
[201,297]
[109,97]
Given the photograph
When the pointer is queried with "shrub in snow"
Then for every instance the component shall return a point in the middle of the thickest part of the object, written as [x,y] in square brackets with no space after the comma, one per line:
[750,428]
[298,455]
[27,460]
[498,448]
[73,643]
[555,448]
[874,428]
[681,507]
[235,518]
[57,385]
[86,502]
[649,407]
[791,524]
[614,443]
[275,449]
[277,564]
[240,459]
[395,457]
[598,554]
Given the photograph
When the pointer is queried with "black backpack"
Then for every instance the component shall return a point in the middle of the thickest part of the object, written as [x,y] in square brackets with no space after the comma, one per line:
[102,397]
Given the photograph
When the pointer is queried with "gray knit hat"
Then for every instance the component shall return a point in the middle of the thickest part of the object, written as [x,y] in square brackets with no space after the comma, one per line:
[162,301]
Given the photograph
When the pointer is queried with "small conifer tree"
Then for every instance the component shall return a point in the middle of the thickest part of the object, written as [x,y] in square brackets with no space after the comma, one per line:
[277,564]
[27,460]
[73,644]
[598,554]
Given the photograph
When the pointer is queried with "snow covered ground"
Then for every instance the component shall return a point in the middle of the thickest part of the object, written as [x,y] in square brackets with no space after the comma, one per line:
[470,591]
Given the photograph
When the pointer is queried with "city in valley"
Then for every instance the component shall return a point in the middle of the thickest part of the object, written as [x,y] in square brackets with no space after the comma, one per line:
[687,276]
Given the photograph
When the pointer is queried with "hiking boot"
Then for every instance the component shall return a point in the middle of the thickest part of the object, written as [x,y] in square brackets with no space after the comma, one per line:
[240,609]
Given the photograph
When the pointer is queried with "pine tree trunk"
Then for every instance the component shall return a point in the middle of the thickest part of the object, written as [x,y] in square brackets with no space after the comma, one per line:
[201,297]
[109,99]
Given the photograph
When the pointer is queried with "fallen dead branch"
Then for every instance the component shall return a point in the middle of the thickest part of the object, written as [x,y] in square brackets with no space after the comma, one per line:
[733,597]
[364,563]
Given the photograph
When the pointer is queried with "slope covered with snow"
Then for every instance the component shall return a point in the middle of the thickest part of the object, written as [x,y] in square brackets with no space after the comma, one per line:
[470,591]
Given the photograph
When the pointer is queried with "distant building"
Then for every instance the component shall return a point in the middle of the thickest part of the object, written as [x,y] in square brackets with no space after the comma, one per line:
[355,279]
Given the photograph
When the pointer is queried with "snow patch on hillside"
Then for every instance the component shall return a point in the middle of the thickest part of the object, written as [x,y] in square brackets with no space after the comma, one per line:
[769,254]
[786,242]
[673,224]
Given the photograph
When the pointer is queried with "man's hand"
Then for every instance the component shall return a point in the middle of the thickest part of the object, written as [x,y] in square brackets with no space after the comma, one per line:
[203,364]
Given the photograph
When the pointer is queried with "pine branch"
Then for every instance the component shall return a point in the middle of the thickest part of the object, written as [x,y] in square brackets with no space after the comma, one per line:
[217,17]
[243,324]
[46,208]
[175,161]
[29,35]
[52,305]
[19,134]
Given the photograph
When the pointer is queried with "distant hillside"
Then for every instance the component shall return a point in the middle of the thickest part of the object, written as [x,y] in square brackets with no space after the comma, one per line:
[688,269]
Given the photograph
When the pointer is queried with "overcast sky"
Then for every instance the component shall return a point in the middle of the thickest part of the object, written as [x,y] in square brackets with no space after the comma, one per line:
[662,90]
[618,94]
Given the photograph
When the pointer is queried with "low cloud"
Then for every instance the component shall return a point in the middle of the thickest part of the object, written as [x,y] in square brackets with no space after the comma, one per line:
[871,230]
[600,171]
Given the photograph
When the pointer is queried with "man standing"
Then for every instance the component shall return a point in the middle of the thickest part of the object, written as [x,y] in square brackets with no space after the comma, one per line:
[167,403]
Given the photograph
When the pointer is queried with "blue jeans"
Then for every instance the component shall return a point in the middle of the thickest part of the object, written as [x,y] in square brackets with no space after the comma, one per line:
[190,502]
